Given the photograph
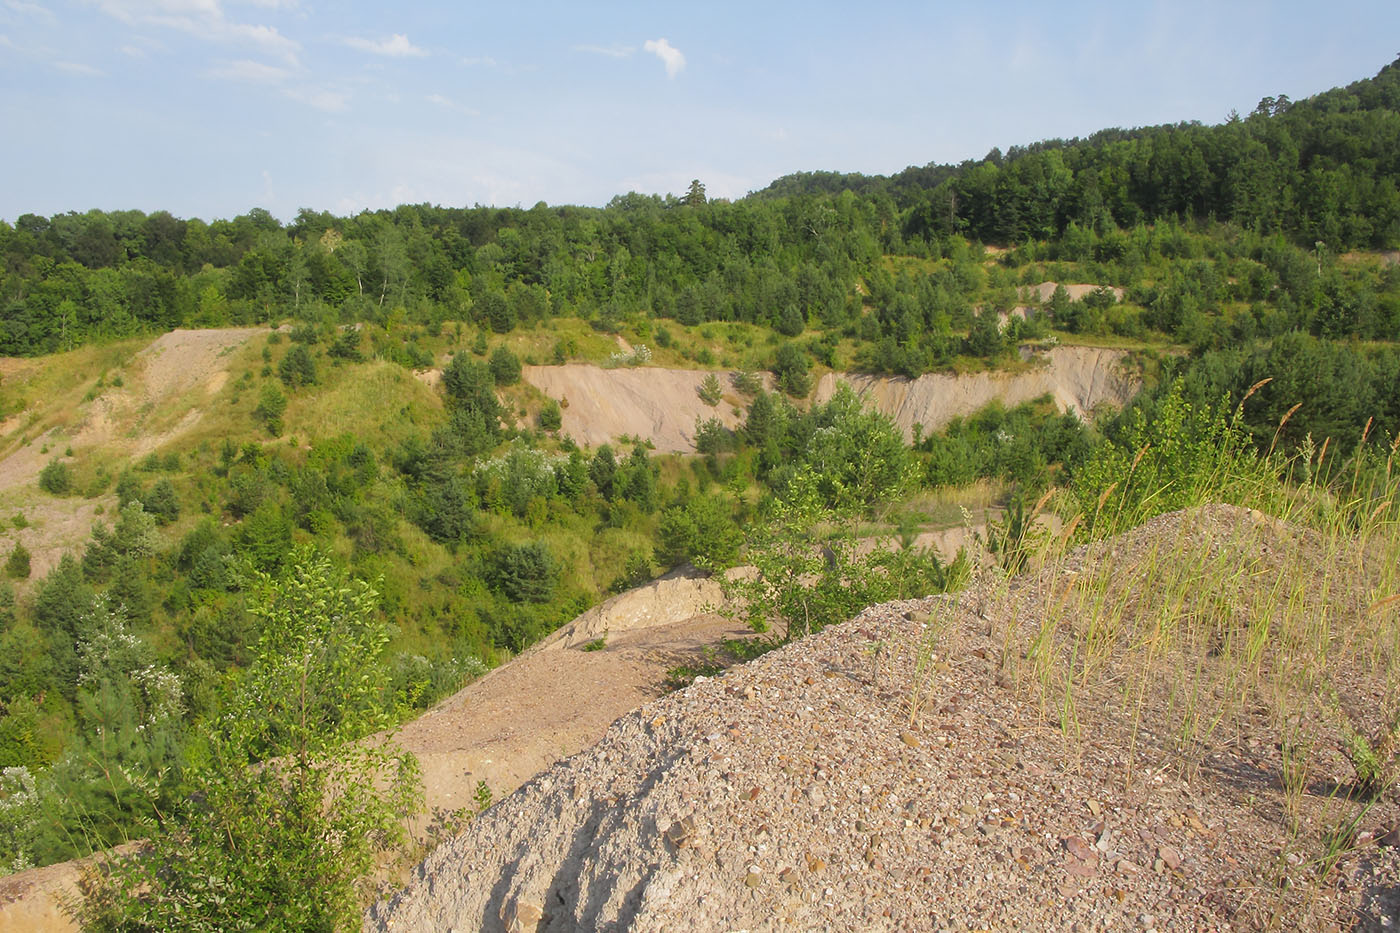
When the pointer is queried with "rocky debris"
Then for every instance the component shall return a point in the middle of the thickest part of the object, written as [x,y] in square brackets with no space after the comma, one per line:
[788,793]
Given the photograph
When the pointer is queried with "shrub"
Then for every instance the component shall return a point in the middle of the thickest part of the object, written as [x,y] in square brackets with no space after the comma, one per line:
[297,368]
[271,406]
[56,478]
[218,859]
[792,370]
[709,390]
[505,367]
[524,572]
[17,566]
[551,417]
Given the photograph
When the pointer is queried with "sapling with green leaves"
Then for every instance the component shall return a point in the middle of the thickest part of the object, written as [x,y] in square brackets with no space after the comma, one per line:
[287,809]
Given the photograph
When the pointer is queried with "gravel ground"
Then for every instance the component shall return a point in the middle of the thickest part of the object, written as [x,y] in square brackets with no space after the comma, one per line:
[852,781]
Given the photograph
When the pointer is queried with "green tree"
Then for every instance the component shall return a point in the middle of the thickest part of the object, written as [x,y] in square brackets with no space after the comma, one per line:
[505,366]
[710,391]
[17,565]
[524,572]
[56,478]
[791,367]
[287,811]
[810,572]
[297,368]
[271,406]
[551,417]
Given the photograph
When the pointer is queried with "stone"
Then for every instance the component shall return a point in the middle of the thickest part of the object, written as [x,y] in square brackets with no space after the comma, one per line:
[910,739]
[1169,857]
[1080,849]
[521,917]
[681,833]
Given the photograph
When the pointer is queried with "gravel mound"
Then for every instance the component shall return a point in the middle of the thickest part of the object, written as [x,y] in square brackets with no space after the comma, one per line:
[890,774]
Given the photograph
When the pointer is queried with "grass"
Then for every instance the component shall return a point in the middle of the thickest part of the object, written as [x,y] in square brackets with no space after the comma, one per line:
[1274,624]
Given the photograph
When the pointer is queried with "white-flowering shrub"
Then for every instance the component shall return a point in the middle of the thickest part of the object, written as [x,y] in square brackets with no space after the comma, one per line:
[19,819]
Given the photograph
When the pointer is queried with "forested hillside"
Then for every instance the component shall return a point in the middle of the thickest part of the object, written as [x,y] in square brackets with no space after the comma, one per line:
[1220,256]
[1293,184]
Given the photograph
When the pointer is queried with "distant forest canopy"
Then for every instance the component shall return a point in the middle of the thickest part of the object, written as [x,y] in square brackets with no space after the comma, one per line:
[1315,177]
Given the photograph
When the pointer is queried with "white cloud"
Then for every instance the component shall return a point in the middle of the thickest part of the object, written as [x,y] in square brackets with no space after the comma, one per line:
[670,56]
[611,51]
[78,68]
[203,19]
[484,61]
[250,71]
[30,9]
[330,101]
[396,46]
[448,103]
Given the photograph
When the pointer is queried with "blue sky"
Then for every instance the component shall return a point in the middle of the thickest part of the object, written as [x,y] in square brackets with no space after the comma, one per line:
[210,107]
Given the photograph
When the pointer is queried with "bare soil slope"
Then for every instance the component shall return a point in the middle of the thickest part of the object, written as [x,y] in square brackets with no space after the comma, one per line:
[661,405]
[1078,378]
[902,772]
[165,388]
[557,698]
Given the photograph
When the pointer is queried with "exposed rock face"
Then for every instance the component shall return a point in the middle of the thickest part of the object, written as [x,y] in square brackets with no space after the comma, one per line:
[650,402]
[1079,379]
[661,405]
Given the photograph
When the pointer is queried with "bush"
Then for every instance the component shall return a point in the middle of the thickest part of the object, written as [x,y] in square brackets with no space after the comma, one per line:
[56,478]
[710,391]
[792,370]
[505,367]
[551,416]
[524,572]
[17,566]
[297,368]
[271,406]
[219,859]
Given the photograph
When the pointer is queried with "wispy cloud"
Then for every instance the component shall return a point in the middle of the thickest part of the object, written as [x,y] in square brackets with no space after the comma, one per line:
[611,51]
[250,71]
[448,103]
[670,56]
[484,61]
[30,9]
[203,19]
[78,68]
[326,99]
[396,46]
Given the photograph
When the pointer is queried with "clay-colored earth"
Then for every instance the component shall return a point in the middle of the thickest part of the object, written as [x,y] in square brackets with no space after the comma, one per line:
[1079,379]
[662,405]
[167,384]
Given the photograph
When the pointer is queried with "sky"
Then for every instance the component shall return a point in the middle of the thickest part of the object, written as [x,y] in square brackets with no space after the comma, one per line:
[208,108]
